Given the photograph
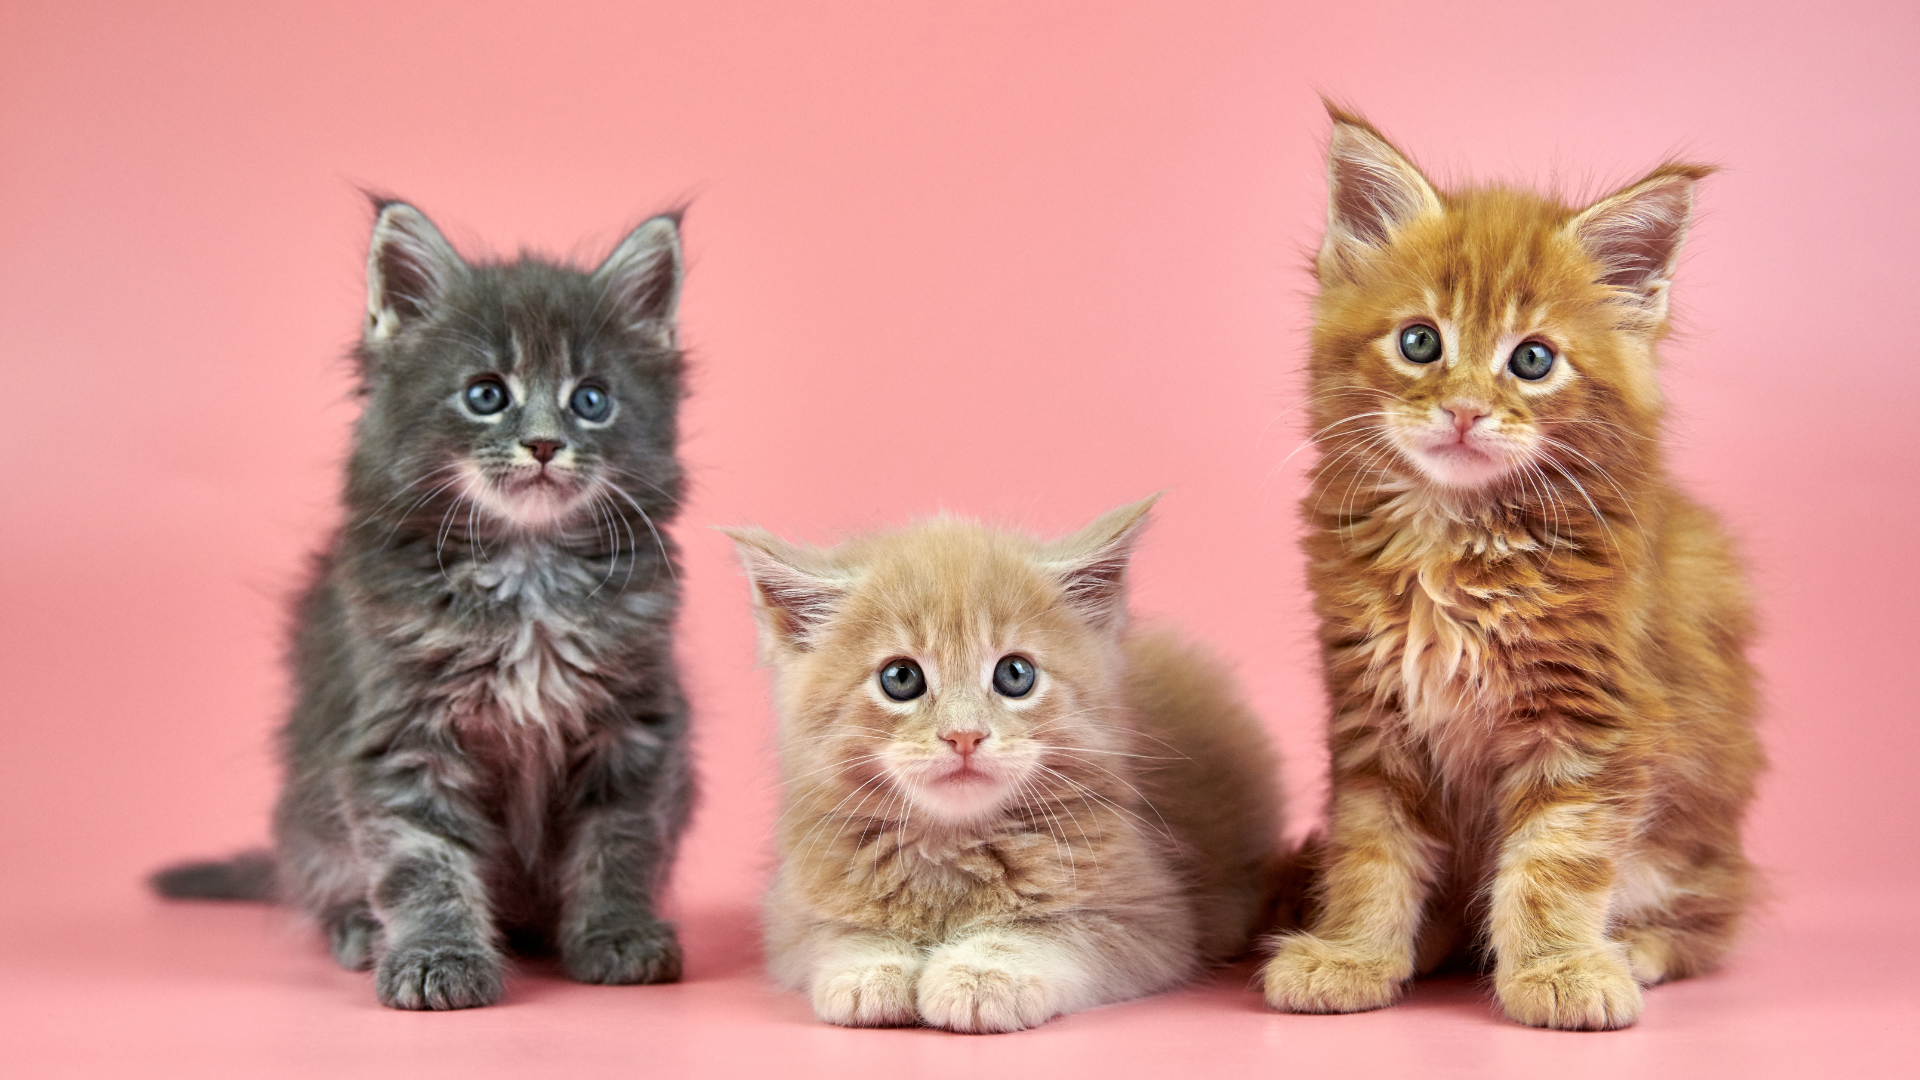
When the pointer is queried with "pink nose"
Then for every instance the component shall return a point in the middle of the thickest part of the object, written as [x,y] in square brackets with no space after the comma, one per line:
[1465,414]
[964,742]
[544,449]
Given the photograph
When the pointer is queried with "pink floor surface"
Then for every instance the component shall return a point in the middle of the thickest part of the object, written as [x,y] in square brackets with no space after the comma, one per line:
[145,988]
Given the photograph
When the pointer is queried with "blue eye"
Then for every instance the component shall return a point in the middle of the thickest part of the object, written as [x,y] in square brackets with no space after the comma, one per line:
[1531,361]
[903,680]
[591,403]
[1013,676]
[487,396]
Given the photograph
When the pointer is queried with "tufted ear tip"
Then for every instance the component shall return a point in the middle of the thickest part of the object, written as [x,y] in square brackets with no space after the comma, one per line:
[380,200]
[1346,116]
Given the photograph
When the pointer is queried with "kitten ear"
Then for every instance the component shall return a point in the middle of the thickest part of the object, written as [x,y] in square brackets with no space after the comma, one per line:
[409,265]
[1635,234]
[1372,189]
[794,590]
[1092,563]
[643,276]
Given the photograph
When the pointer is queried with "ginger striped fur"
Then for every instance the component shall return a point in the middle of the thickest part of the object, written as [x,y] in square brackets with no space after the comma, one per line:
[1541,709]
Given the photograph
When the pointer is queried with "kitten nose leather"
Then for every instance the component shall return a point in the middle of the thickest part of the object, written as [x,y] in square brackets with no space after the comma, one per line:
[544,449]
[1465,414]
[964,742]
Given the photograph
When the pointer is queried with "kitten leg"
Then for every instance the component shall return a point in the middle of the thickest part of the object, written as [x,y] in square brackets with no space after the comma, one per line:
[1001,981]
[1017,977]
[863,979]
[1555,965]
[319,871]
[353,935]
[1680,922]
[630,802]
[856,976]
[1379,867]
[420,843]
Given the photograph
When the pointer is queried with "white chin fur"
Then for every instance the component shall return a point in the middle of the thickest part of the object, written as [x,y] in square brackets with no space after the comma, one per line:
[1461,468]
[956,800]
[529,506]
[1466,465]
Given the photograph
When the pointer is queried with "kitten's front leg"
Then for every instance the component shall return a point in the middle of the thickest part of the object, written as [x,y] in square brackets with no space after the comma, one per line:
[1379,867]
[999,980]
[629,802]
[864,978]
[421,842]
[1555,965]
[1019,976]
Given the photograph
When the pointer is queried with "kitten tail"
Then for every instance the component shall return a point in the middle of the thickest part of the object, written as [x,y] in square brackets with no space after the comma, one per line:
[247,876]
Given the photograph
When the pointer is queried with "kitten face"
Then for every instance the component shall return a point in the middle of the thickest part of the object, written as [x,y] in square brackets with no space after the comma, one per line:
[948,673]
[527,395]
[964,714]
[1473,357]
[1487,339]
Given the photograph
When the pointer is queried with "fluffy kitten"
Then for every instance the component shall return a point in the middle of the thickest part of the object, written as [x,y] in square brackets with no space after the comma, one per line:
[1542,734]
[1000,806]
[489,737]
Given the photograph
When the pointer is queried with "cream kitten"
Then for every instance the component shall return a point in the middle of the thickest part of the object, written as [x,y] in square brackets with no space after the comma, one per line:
[1000,806]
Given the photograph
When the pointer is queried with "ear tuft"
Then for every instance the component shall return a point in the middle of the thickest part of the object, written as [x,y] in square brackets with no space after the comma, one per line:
[1372,190]
[794,589]
[643,276]
[1092,563]
[1635,234]
[409,266]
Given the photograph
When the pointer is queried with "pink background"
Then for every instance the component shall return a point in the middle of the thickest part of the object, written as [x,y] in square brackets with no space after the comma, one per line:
[1020,260]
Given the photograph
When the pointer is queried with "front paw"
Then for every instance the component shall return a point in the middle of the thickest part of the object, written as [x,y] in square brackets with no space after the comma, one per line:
[644,953]
[963,990]
[1578,990]
[866,995]
[1313,975]
[438,977]
[353,934]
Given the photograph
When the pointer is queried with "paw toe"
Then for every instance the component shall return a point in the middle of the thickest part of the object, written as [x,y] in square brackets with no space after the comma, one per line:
[1311,975]
[354,939]
[635,954]
[870,995]
[445,977]
[979,998]
[1588,990]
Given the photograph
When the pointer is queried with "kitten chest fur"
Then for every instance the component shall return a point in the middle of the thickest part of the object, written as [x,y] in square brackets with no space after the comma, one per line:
[516,659]
[1442,611]
[923,885]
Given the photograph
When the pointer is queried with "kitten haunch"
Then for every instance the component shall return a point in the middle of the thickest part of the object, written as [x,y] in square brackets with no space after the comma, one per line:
[488,740]
[1000,805]
[1542,734]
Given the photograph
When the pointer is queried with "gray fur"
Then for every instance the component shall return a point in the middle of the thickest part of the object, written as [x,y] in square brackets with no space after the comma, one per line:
[488,743]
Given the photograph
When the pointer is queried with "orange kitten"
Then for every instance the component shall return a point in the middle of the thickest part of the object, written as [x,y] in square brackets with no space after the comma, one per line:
[1542,733]
[1000,806]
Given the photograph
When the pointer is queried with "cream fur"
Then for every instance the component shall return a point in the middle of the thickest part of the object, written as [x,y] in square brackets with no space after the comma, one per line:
[1110,832]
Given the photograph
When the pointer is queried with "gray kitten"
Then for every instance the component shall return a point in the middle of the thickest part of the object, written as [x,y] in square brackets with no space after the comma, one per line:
[488,744]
